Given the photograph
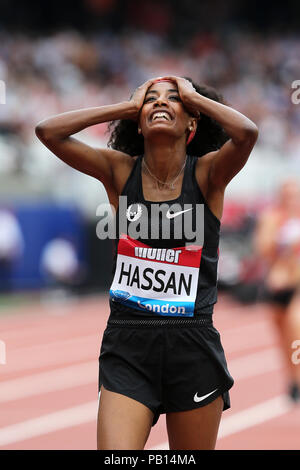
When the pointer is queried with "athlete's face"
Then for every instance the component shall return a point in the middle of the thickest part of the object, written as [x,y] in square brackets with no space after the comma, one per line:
[164,113]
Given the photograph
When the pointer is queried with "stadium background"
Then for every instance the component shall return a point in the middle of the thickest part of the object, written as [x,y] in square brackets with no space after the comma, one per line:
[58,56]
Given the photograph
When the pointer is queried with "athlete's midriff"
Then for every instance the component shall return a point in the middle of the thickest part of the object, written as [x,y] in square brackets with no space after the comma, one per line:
[284,272]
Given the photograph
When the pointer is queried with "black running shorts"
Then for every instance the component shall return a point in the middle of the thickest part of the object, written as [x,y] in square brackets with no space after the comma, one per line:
[166,364]
[281,297]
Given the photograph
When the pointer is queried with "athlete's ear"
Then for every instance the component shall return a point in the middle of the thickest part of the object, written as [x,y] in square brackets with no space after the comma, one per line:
[139,130]
[194,121]
[192,125]
[191,130]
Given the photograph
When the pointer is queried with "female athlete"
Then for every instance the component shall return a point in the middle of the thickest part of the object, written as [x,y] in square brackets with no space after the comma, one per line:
[277,240]
[174,148]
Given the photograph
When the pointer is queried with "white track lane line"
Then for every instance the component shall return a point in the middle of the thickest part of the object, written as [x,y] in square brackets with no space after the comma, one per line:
[87,413]
[256,414]
[249,417]
[51,354]
[74,348]
[55,380]
[85,373]
[257,363]
[52,422]
[245,366]
[246,337]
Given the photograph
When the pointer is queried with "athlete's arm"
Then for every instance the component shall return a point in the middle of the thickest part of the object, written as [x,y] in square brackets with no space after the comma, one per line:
[56,133]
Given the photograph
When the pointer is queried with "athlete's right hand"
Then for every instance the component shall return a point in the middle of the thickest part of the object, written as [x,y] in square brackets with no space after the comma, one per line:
[138,97]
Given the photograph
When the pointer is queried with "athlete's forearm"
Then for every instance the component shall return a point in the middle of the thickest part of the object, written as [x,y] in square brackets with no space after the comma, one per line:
[235,124]
[63,125]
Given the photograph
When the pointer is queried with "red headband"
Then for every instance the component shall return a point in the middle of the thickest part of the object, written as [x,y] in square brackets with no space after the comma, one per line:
[164,80]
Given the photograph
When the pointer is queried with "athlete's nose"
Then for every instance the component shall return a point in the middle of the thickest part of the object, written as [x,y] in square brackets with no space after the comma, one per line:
[160,102]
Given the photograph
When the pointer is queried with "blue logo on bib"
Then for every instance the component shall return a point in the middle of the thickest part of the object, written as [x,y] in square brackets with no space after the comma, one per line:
[121,294]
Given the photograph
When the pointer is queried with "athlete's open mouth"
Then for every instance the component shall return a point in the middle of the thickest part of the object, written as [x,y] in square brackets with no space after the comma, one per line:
[161,115]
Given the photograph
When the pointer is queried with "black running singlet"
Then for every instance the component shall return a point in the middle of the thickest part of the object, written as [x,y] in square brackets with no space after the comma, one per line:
[155,271]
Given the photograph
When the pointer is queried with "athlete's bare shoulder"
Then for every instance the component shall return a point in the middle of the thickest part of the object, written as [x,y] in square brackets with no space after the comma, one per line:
[202,172]
[214,196]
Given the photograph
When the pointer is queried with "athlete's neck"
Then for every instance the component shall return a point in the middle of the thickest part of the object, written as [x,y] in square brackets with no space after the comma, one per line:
[164,159]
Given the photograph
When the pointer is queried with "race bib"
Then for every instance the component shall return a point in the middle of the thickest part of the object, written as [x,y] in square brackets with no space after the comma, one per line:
[161,280]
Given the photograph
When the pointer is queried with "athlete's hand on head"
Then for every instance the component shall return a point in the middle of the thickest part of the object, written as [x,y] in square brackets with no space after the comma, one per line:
[185,88]
[138,97]
[187,93]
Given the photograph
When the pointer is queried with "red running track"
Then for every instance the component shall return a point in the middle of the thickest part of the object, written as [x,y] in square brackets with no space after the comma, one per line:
[48,386]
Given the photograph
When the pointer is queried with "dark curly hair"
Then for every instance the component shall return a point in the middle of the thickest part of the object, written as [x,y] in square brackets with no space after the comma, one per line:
[209,136]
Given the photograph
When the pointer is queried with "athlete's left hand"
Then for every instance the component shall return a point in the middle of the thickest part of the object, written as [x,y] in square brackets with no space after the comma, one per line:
[187,93]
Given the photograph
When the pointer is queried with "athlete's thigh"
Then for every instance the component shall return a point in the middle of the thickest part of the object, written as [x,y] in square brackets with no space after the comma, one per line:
[195,429]
[293,310]
[123,423]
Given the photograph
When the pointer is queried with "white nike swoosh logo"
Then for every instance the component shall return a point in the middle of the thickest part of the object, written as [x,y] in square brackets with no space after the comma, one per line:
[197,399]
[171,216]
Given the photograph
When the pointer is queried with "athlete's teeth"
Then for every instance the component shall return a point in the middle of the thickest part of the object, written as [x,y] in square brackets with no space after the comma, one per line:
[158,115]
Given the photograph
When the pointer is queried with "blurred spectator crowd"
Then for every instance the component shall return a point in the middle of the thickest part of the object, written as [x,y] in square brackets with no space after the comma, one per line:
[45,75]
[49,74]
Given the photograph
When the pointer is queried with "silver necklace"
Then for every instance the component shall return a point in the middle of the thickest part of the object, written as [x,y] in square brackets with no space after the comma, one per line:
[170,185]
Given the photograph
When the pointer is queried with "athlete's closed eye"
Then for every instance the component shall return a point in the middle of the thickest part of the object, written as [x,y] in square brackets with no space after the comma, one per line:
[150,98]
[153,98]
[175,97]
